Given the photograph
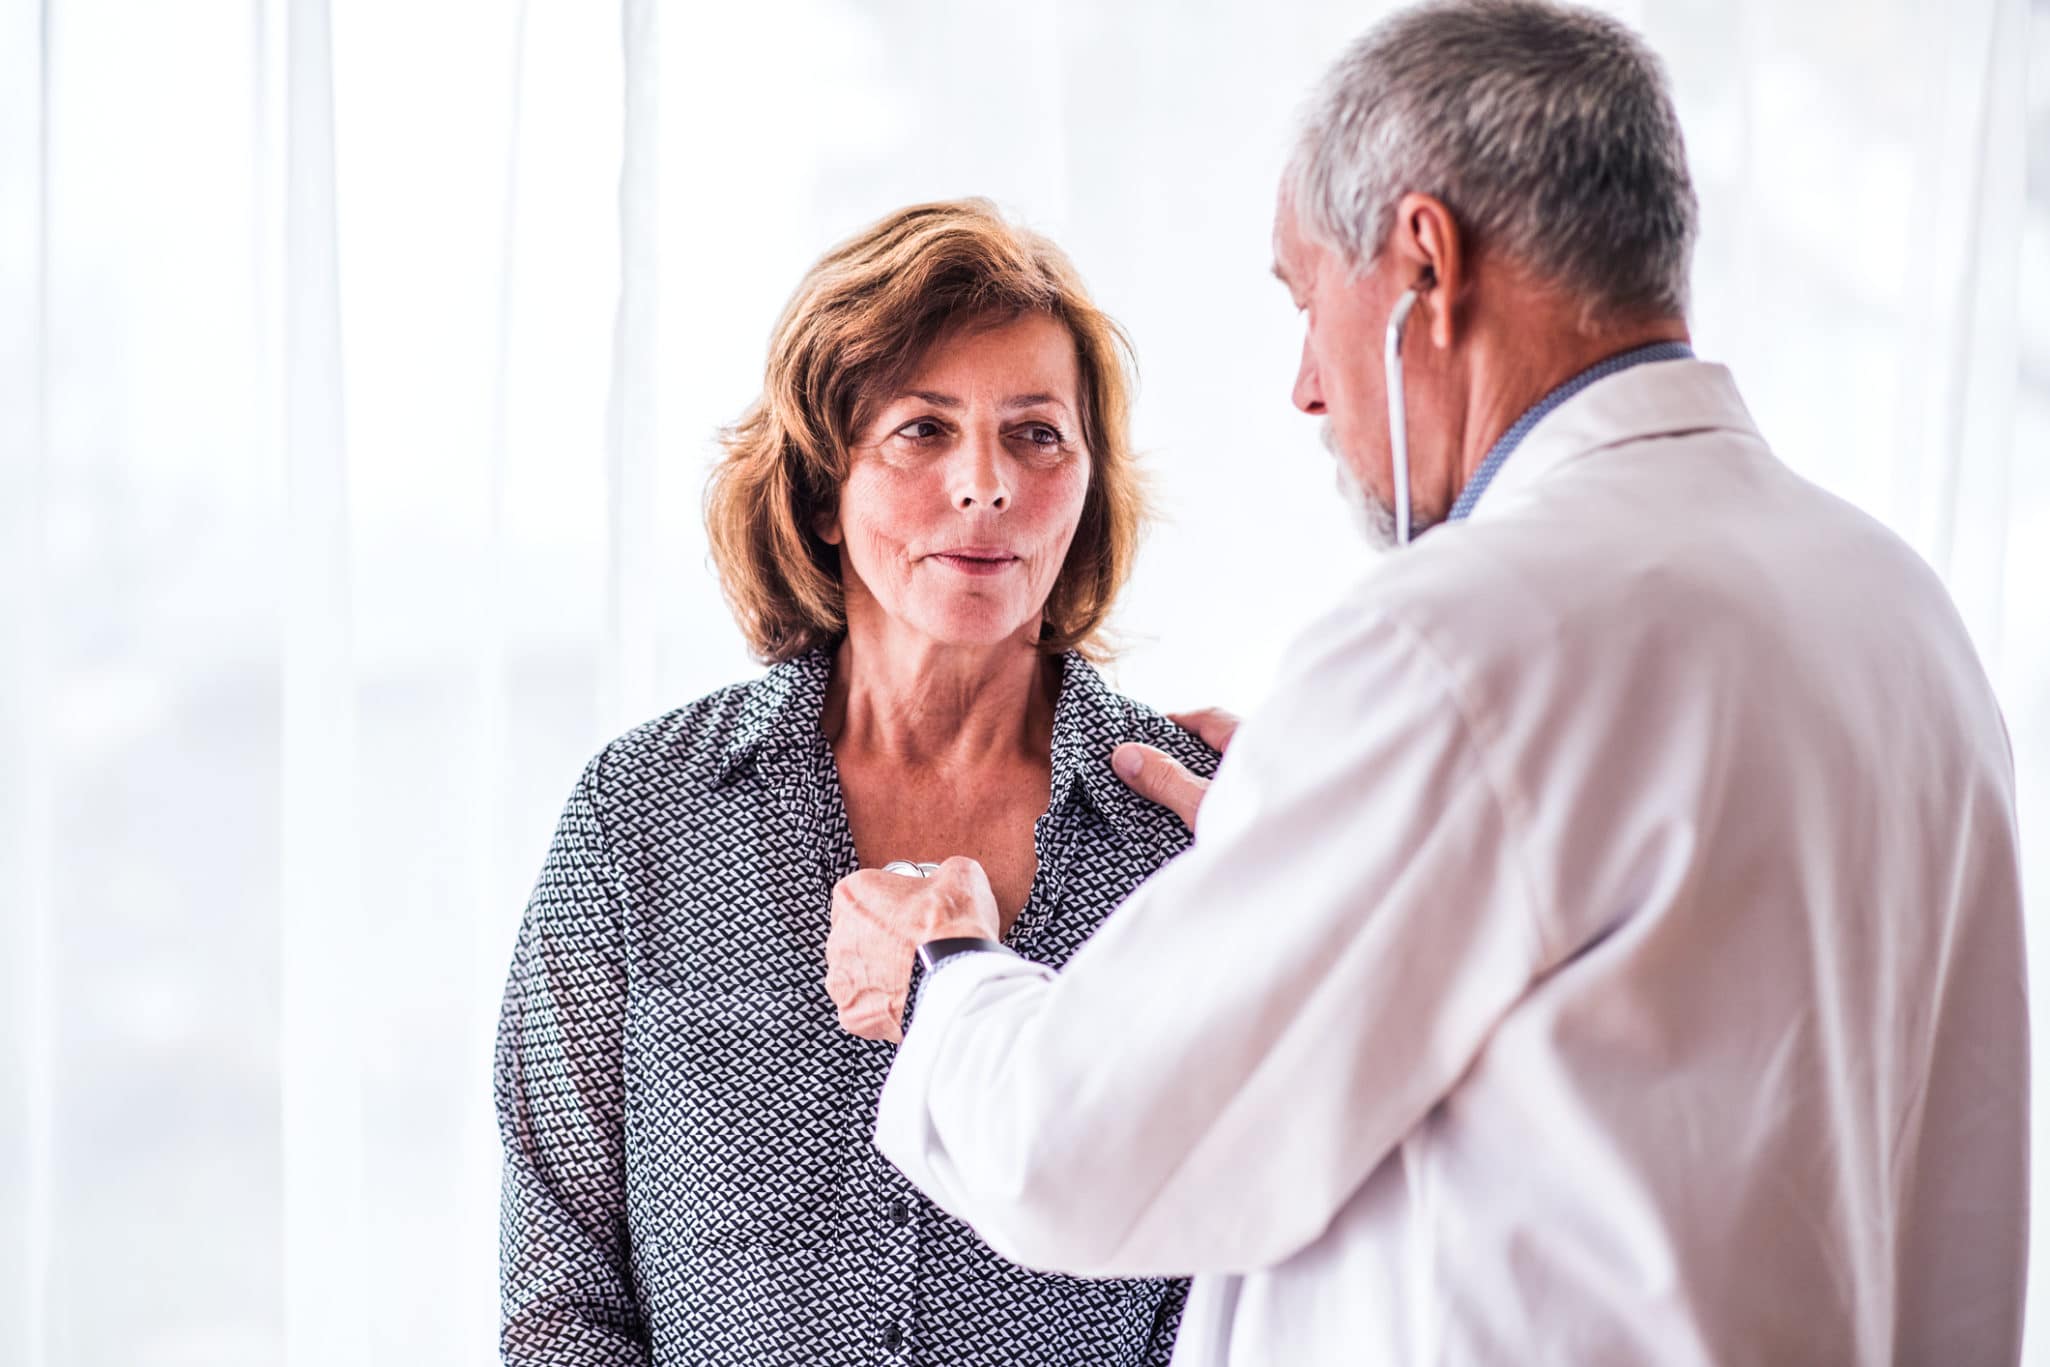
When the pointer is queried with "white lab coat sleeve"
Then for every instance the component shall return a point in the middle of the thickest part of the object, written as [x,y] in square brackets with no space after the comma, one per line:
[1220,1067]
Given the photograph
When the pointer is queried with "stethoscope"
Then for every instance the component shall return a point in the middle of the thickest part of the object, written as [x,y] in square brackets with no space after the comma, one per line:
[1398,416]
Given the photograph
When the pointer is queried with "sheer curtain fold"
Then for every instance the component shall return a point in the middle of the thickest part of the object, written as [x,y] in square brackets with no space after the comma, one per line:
[324,960]
[633,599]
[359,368]
[1960,358]
[487,729]
[26,1048]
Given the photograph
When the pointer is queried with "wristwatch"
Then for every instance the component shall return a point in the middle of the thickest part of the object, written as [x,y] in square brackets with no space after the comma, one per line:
[933,953]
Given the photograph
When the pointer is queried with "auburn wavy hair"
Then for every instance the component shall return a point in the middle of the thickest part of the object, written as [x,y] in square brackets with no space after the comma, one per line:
[861,322]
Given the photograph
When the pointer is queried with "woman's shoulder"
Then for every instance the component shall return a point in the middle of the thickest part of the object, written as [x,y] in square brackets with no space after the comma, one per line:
[1133,836]
[702,742]
[1154,728]
[1127,719]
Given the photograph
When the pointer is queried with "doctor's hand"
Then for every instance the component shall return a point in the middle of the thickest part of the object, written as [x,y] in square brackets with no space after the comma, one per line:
[1157,777]
[879,921]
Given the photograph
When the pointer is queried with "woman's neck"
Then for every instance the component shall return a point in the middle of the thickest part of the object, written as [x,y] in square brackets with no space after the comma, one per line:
[923,705]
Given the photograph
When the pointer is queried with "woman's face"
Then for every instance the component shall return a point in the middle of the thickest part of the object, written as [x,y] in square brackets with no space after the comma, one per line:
[966,485]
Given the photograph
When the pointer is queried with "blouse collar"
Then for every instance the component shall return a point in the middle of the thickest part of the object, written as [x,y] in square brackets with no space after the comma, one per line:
[779,722]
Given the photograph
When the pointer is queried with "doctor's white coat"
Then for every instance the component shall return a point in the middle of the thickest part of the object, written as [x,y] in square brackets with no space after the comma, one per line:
[1605,947]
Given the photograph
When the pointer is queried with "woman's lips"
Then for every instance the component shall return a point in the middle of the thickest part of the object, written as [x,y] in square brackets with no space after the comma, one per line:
[977,561]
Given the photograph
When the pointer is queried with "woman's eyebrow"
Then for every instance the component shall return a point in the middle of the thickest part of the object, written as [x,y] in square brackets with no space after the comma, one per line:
[1016,401]
[1034,401]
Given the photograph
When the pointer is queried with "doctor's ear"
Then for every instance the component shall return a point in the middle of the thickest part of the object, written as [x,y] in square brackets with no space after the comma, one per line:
[1428,242]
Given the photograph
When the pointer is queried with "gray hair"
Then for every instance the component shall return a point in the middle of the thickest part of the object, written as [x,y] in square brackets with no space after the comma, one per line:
[1547,130]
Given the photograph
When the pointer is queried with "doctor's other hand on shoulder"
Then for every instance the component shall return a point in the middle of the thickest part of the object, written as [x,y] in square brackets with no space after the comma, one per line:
[1158,777]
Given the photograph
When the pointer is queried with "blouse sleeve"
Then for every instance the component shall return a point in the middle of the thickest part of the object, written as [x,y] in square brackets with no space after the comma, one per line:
[1167,1325]
[566,1285]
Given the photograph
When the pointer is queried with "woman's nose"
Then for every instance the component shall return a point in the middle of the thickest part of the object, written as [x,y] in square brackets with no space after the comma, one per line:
[977,476]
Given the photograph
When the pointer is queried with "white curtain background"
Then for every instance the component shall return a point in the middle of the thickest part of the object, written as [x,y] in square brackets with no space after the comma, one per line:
[359,365]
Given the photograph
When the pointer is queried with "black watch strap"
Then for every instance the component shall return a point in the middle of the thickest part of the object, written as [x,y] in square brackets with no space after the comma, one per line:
[933,953]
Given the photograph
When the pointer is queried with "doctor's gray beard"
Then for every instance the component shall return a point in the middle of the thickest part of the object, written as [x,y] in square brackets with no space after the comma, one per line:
[1374,519]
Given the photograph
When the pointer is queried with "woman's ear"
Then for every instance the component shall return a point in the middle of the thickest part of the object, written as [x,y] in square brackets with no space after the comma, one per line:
[826,522]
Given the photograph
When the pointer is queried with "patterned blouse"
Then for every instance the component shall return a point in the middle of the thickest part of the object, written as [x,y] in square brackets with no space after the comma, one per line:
[690,1170]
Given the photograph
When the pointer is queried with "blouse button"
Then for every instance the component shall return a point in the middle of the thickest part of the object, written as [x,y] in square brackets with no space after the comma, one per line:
[893,1339]
[900,1212]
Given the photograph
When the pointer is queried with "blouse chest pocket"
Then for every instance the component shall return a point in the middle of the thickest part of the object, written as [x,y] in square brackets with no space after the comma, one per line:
[745,1115]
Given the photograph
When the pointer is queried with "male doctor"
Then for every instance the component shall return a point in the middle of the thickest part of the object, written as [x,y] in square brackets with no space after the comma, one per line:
[1606,946]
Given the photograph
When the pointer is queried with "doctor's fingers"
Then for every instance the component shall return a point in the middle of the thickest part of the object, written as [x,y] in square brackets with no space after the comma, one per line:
[868,997]
[1157,777]
[872,953]
[874,905]
[961,902]
[1212,725]
[871,1013]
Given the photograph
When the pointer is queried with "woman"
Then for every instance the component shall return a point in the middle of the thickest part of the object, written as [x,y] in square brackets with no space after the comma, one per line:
[921,526]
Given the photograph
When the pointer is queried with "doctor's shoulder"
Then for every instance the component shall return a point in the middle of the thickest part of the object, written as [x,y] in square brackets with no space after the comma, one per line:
[1469,591]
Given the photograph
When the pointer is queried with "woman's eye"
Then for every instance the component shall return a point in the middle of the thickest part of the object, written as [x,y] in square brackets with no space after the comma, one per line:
[924,429]
[1039,434]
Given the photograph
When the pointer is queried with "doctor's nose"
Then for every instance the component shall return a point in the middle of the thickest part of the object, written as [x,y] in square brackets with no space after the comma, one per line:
[976,479]
[1309,390]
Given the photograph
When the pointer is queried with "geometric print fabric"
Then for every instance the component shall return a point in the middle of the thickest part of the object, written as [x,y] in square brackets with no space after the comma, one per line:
[690,1170]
